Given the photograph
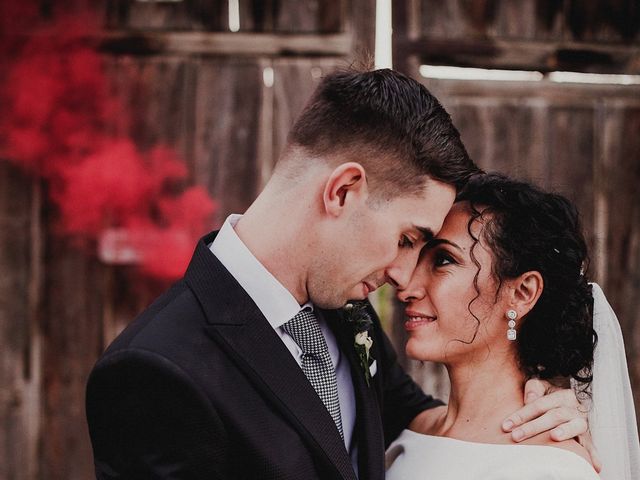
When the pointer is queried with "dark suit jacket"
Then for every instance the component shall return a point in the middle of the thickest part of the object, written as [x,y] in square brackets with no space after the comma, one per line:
[201,386]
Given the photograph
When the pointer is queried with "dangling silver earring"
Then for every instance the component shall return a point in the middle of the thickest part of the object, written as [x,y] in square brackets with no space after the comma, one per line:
[511,333]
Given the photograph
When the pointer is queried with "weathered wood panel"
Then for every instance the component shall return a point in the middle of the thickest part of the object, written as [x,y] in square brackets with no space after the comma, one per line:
[156,97]
[360,21]
[533,140]
[20,340]
[225,44]
[517,143]
[310,16]
[618,196]
[227,113]
[594,21]
[209,110]
[572,150]
[542,35]
[72,332]
[185,15]
[294,82]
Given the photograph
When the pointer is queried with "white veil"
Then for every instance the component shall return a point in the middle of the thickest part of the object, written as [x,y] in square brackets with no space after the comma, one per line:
[612,418]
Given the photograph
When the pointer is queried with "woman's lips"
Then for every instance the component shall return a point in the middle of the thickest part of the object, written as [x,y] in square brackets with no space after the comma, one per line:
[416,320]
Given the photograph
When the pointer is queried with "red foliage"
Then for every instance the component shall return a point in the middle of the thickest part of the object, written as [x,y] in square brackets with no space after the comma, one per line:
[57,110]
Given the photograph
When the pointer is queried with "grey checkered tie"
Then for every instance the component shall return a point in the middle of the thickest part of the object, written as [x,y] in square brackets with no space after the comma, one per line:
[316,361]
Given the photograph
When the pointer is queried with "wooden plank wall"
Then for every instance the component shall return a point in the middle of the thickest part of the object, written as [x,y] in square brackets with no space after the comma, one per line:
[538,20]
[189,83]
[20,340]
[545,35]
[578,139]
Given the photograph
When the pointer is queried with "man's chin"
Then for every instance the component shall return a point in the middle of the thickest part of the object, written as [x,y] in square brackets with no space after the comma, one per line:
[356,295]
[333,302]
[330,303]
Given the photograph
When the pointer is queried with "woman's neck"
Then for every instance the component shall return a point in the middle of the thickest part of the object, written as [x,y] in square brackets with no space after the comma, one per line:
[483,394]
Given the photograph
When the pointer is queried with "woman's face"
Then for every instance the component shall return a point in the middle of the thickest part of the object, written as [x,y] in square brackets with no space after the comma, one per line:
[447,319]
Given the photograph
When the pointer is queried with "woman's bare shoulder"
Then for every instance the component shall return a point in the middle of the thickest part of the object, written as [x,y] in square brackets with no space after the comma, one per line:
[427,421]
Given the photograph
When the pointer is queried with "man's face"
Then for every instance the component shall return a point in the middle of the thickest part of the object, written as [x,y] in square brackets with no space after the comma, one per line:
[377,244]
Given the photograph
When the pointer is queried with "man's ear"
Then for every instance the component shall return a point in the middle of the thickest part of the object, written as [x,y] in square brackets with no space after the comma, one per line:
[346,185]
[525,291]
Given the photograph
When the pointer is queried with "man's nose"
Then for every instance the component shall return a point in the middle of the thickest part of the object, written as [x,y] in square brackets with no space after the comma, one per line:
[415,289]
[400,271]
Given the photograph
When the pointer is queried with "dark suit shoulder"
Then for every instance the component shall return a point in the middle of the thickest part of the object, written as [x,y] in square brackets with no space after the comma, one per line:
[161,317]
[147,416]
[147,406]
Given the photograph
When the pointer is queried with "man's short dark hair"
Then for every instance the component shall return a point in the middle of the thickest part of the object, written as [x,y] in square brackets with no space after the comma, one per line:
[390,124]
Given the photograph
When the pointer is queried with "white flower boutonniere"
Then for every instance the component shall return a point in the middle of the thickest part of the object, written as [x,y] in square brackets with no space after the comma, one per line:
[358,317]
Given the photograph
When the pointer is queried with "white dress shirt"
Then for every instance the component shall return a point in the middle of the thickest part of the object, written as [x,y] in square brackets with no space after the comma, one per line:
[279,306]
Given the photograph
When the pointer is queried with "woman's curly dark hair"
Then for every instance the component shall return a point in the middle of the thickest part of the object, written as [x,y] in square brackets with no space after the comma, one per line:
[528,229]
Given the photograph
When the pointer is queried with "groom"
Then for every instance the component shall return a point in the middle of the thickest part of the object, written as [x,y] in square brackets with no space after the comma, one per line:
[248,367]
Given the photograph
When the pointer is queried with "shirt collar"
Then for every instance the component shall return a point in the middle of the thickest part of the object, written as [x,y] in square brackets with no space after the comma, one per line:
[274,301]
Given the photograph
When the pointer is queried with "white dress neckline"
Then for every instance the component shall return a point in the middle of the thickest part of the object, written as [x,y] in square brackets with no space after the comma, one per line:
[418,456]
[497,444]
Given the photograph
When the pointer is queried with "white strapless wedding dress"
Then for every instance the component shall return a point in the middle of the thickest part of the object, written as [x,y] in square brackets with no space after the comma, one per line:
[414,456]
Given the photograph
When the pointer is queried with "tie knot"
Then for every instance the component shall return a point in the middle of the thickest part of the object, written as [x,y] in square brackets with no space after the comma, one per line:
[305,330]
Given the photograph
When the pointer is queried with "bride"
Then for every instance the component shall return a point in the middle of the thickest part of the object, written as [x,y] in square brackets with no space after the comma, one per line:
[500,297]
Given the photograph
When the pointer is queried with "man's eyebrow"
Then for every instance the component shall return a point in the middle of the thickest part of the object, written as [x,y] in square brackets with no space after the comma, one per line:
[427,233]
[434,242]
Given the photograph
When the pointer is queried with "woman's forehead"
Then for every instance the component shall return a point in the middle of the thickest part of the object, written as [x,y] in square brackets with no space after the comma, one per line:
[457,221]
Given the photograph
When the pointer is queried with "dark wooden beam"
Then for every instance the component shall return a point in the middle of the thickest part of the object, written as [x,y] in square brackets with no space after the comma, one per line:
[524,55]
[217,44]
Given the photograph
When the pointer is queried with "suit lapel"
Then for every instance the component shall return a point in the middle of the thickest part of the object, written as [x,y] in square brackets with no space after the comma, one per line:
[238,326]
[369,432]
